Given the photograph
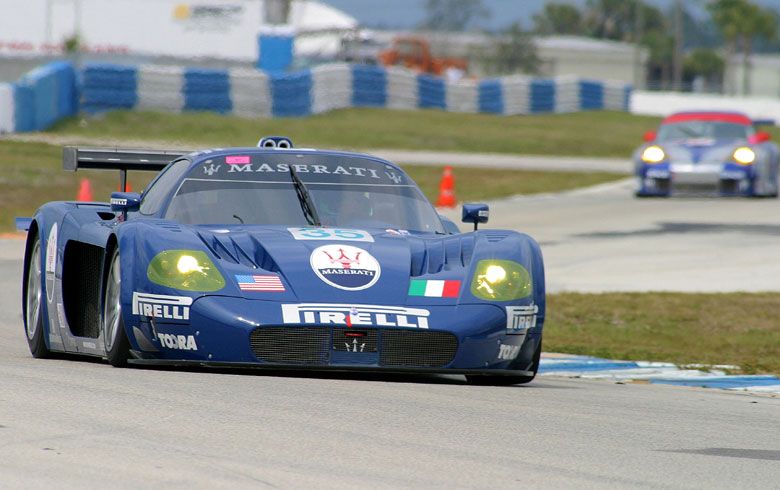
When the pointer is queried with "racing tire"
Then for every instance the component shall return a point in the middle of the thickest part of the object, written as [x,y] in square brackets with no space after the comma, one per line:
[33,307]
[112,324]
[497,380]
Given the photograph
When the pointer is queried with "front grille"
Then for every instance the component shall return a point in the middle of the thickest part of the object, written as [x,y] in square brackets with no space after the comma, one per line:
[314,345]
[413,348]
[284,345]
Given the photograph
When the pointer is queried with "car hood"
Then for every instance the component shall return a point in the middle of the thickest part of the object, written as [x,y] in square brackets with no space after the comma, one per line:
[703,151]
[375,269]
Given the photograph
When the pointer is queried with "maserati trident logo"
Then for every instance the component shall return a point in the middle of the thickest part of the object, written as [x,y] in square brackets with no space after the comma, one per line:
[345,267]
[355,346]
[342,259]
[211,169]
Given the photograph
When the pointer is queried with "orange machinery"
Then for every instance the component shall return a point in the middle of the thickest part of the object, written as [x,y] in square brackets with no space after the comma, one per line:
[414,53]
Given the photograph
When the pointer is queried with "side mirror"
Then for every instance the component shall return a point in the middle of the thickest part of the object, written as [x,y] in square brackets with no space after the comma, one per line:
[475,213]
[760,137]
[649,136]
[122,202]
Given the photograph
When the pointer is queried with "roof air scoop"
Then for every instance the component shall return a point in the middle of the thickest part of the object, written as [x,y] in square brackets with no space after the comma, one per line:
[279,142]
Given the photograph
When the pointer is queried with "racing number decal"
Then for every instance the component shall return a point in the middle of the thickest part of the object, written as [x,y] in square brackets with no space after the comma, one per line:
[330,234]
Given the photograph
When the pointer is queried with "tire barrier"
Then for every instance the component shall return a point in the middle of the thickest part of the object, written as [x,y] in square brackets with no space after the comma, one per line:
[51,92]
[39,99]
[337,86]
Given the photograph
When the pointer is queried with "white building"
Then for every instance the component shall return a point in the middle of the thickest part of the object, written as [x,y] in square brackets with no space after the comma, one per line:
[764,76]
[218,29]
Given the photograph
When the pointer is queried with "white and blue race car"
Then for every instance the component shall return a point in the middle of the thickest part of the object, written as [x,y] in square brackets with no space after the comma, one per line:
[707,153]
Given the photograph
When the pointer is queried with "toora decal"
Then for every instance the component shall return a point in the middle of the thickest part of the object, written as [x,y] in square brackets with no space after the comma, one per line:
[345,267]
[177,342]
[161,306]
[508,352]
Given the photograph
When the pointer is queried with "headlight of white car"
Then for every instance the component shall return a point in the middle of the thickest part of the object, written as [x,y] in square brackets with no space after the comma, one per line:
[653,154]
[744,155]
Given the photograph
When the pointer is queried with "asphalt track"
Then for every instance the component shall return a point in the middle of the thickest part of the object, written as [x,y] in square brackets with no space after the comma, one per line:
[71,424]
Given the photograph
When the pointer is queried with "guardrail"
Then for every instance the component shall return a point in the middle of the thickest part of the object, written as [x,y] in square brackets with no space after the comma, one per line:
[39,99]
[335,86]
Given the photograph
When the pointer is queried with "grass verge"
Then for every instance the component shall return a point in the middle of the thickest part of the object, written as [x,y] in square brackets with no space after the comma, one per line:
[736,328]
[32,175]
[592,134]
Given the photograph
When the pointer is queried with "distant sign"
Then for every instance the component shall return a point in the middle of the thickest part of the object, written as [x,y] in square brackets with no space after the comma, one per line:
[208,17]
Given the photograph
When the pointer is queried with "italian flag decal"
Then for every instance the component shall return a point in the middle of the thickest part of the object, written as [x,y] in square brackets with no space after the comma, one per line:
[434,289]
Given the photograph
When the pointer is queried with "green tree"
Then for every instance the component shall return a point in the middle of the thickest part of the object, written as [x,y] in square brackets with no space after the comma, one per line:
[617,19]
[559,18]
[453,15]
[513,52]
[660,44]
[706,63]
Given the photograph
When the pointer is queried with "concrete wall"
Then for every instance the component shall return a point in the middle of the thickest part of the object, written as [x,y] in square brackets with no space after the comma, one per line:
[665,103]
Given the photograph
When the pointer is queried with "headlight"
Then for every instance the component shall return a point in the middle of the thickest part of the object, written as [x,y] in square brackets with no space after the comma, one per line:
[501,280]
[188,270]
[744,155]
[653,154]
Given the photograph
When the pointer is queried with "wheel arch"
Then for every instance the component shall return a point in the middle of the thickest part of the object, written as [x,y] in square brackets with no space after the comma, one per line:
[32,234]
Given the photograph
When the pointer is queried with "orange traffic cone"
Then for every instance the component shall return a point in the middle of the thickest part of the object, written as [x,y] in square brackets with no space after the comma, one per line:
[129,188]
[85,191]
[447,189]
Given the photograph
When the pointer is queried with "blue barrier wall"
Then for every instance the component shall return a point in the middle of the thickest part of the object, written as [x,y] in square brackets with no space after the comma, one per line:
[207,90]
[44,96]
[369,86]
[107,86]
[491,97]
[51,92]
[291,94]
[431,92]
[542,96]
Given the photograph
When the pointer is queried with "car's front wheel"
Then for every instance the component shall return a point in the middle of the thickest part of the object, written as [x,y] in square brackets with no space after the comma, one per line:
[113,326]
[496,380]
[33,318]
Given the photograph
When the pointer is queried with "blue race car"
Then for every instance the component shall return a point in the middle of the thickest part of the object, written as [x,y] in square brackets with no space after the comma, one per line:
[274,257]
[707,153]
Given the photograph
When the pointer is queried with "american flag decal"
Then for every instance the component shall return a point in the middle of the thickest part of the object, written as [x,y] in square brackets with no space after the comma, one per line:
[267,283]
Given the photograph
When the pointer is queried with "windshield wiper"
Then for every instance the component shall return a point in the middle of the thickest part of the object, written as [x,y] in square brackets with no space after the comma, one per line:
[307,205]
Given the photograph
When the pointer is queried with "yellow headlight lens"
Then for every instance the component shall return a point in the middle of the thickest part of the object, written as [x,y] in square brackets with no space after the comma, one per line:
[187,264]
[501,280]
[653,154]
[744,155]
[495,274]
[188,270]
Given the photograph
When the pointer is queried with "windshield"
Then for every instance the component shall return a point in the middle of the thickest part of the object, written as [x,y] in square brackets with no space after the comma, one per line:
[347,194]
[717,130]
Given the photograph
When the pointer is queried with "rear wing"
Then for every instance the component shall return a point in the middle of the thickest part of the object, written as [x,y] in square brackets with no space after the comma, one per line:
[763,122]
[74,158]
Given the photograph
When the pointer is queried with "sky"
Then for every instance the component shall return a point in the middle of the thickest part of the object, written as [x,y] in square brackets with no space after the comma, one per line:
[406,14]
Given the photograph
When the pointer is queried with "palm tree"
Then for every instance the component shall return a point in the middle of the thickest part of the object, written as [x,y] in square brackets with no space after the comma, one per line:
[757,23]
[741,20]
[558,19]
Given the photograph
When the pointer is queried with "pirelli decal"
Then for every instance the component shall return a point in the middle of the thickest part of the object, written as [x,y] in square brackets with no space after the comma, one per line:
[161,306]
